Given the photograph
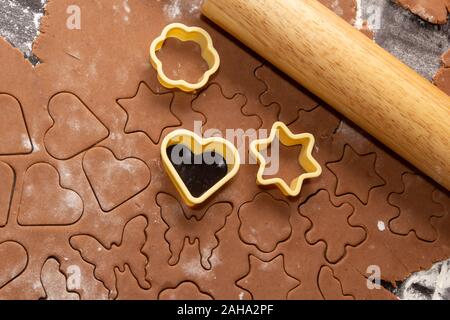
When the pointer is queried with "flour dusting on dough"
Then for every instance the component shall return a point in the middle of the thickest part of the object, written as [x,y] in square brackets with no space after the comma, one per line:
[173,9]
[359,21]
[126,6]
[177,9]
[26,144]
[193,268]
[336,6]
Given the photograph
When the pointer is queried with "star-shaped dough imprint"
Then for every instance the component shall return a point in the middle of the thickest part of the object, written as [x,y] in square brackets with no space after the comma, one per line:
[311,167]
[149,112]
[268,279]
[356,174]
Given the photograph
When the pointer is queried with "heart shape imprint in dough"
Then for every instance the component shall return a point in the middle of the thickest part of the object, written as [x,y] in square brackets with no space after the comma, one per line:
[13,260]
[75,127]
[114,181]
[45,202]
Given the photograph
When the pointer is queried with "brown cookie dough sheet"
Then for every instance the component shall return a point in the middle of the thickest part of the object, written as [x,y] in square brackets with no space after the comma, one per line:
[433,11]
[87,211]
[442,77]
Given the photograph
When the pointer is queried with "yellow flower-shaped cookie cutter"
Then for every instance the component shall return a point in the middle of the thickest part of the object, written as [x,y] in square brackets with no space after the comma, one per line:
[185,33]
[198,145]
[306,160]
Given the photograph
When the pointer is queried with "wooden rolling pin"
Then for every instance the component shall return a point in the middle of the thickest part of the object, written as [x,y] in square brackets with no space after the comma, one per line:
[350,72]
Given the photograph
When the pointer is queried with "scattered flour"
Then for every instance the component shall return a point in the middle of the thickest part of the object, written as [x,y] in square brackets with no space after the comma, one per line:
[26,144]
[36,147]
[28,190]
[37,20]
[195,6]
[126,165]
[193,269]
[336,6]
[123,10]
[173,9]
[359,21]
[126,6]
[75,125]
[215,260]
[19,24]
[72,200]
[433,284]
[37,285]
[177,9]
[65,174]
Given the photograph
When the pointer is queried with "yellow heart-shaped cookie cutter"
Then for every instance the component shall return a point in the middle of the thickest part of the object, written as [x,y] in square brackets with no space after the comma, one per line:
[199,145]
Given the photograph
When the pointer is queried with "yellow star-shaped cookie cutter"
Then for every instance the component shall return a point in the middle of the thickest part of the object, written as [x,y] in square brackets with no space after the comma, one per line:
[185,33]
[306,160]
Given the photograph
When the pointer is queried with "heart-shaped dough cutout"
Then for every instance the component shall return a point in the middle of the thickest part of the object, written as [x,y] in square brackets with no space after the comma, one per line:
[13,260]
[205,153]
[124,178]
[75,127]
[45,202]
